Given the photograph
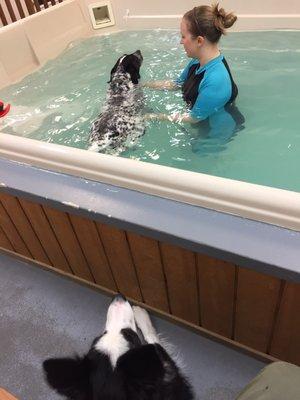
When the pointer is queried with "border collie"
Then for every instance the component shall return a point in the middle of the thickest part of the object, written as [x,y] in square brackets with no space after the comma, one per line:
[120,123]
[121,364]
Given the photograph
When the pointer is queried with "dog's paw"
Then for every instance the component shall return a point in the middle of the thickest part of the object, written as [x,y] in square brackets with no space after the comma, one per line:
[141,317]
[144,323]
[94,147]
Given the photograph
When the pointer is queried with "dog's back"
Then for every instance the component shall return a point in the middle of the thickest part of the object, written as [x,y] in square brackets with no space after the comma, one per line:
[120,123]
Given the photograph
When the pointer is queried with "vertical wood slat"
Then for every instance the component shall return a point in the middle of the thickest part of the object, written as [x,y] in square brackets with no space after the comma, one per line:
[43,230]
[286,340]
[45,2]
[10,11]
[92,247]
[216,292]
[257,297]
[146,255]
[20,9]
[37,5]
[29,7]
[180,270]
[22,224]
[64,232]
[137,263]
[4,242]
[118,253]
[3,17]
[12,234]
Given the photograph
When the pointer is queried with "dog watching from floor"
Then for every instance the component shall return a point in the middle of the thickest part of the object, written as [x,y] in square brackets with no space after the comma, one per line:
[120,122]
[120,365]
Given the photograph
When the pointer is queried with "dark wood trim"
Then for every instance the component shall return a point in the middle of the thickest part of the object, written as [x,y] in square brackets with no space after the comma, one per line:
[240,304]
[20,9]
[10,10]
[3,17]
[178,321]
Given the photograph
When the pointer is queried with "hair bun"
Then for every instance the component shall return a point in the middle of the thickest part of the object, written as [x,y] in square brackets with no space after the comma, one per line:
[223,20]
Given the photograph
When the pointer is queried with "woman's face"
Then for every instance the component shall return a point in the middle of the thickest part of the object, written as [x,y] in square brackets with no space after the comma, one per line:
[190,44]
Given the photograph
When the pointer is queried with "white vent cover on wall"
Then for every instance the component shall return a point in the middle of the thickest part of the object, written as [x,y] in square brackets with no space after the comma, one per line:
[101,14]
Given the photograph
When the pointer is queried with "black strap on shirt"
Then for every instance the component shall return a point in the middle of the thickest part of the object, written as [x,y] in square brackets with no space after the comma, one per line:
[191,85]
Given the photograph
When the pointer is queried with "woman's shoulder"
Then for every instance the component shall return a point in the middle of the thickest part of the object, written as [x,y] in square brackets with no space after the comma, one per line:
[217,71]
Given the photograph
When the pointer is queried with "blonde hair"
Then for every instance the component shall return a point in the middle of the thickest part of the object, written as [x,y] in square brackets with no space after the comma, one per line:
[209,21]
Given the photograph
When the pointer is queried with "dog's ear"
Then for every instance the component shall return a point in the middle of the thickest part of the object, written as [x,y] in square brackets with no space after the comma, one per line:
[134,75]
[132,65]
[69,376]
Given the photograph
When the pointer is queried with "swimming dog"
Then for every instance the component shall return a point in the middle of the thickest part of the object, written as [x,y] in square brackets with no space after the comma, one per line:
[120,122]
[122,364]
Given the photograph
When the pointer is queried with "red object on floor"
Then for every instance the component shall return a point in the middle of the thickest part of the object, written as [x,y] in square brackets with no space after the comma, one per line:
[4,110]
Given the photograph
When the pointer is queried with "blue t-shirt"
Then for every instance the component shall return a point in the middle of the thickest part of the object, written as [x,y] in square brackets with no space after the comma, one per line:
[215,88]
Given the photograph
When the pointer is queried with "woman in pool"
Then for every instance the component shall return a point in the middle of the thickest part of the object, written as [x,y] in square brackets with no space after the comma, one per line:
[206,82]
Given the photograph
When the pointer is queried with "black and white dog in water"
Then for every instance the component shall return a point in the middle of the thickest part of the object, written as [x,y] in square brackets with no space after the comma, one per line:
[120,123]
[120,365]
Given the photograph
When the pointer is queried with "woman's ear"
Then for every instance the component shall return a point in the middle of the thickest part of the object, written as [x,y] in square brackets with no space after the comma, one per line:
[200,40]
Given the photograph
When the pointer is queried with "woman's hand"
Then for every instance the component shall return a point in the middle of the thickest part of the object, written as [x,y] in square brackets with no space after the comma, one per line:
[175,117]
[156,117]
[161,85]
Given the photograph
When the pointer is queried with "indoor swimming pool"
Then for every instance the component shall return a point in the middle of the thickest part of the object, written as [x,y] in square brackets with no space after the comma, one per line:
[58,103]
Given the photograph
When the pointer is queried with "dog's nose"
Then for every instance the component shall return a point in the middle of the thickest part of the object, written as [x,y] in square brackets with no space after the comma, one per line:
[119,298]
[138,54]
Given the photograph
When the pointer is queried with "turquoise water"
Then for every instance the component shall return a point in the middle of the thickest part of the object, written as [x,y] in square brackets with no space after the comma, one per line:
[58,103]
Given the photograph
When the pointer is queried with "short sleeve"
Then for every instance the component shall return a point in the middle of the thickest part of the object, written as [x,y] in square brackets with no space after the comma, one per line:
[184,74]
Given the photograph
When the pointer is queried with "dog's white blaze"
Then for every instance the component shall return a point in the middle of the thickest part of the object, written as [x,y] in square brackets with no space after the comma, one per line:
[121,59]
[119,316]
[113,345]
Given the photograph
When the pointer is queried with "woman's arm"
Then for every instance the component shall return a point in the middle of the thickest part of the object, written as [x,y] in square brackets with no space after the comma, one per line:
[161,85]
[176,117]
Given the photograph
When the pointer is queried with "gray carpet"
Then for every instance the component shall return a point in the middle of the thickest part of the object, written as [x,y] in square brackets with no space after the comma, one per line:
[44,315]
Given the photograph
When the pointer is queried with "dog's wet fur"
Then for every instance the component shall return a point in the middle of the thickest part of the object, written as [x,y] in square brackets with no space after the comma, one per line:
[120,122]
[121,364]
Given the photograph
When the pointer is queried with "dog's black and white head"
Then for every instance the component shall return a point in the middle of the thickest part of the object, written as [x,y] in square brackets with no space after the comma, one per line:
[119,365]
[128,63]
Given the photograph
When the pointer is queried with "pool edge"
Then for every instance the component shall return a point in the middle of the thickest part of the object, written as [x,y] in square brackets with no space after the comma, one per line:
[266,204]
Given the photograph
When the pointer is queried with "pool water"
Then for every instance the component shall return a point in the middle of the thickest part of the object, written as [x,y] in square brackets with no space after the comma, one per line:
[59,102]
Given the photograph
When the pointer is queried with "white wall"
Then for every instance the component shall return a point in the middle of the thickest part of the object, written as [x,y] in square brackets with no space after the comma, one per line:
[28,43]
[171,7]
[255,14]
[239,6]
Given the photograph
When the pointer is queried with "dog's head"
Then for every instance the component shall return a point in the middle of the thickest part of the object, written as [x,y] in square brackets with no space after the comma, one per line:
[92,377]
[130,63]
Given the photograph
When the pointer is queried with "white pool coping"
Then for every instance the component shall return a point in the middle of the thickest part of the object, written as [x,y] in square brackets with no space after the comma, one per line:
[266,204]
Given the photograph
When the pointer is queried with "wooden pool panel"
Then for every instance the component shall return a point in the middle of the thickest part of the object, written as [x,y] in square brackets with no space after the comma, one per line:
[257,310]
